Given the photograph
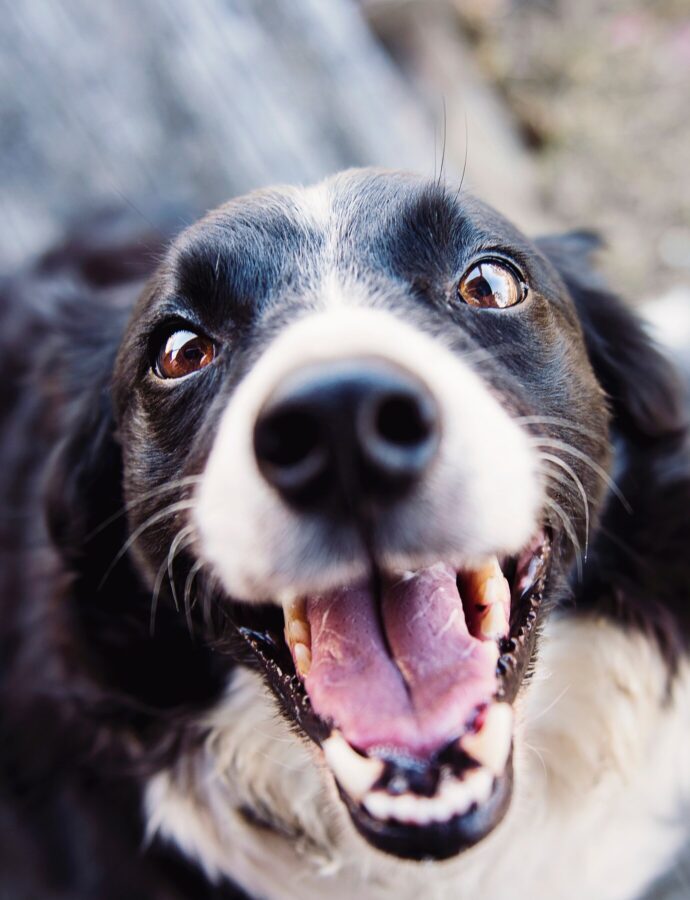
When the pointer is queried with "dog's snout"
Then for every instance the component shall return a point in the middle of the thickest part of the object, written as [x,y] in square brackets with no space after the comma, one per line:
[346,433]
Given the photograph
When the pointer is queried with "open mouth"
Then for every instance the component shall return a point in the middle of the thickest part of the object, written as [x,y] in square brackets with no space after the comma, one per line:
[406,682]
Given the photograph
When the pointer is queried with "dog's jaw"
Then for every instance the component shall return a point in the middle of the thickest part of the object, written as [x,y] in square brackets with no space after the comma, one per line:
[568,731]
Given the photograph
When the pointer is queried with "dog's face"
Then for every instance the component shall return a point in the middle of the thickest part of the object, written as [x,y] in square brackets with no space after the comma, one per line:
[360,420]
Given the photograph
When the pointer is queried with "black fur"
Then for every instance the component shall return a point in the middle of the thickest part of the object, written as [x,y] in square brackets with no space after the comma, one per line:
[637,570]
[93,699]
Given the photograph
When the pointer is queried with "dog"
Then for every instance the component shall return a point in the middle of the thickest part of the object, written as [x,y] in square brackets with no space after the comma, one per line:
[344,553]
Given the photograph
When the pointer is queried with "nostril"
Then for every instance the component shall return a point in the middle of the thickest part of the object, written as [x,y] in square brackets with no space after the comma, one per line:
[356,427]
[286,438]
[290,451]
[404,420]
[398,433]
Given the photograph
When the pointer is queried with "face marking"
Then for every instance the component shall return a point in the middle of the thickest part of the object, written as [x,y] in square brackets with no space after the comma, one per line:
[477,501]
[438,585]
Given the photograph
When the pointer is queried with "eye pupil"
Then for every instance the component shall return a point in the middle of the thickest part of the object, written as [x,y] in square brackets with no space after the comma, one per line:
[183,353]
[480,286]
[490,285]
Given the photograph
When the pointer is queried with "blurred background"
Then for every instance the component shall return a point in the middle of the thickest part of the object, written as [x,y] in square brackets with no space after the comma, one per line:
[561,114]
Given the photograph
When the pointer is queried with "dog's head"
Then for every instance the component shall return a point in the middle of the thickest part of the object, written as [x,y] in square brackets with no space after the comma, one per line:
[363,431]
[360,419]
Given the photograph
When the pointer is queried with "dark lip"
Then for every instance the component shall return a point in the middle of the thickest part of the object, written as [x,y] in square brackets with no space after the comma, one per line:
[261,628]
[435,841]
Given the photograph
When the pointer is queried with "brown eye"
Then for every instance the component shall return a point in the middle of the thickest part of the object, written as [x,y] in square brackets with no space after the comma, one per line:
[491,285]
[183,353]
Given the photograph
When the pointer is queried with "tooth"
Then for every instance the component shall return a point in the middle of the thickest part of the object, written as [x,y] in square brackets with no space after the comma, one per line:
[294,608]
[454,799]
[302,655]
[286,597]
[486,595]
[406,808]
[298,632]
[356,773]
[479,783]
[490,746]
[378,804]
[493,623]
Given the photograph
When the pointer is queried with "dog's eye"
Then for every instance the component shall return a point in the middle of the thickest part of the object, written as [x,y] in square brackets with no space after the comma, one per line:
[183,353]
[491,285]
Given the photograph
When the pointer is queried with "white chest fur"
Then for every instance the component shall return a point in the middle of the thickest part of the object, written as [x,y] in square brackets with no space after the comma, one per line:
[600,807]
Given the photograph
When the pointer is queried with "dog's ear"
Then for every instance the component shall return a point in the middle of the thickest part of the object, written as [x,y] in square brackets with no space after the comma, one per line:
[643,389]
[99,271]
[85,474]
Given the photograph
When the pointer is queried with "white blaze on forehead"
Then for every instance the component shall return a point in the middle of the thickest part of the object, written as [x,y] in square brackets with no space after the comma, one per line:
[482,494]
[316,202]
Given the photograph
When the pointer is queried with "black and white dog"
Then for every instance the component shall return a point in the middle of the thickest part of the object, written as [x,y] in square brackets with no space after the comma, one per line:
[349,556]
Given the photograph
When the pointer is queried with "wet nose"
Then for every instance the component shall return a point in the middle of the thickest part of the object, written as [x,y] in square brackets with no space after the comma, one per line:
[360,430]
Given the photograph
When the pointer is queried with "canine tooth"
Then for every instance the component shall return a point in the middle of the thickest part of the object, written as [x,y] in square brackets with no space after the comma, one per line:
[493,623]
[299,632]
[356,773]
[487,601]
[378,804]
[495,590]
[490,746]
[294,607]
[302,655]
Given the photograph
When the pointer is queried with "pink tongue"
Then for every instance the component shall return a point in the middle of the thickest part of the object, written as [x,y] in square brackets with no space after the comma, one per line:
[414,697]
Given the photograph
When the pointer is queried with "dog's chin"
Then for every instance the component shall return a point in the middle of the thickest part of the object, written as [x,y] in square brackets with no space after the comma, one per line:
[406,684]
[434,840]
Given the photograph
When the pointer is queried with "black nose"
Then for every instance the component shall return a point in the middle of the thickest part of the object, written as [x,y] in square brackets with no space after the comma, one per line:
[346,432]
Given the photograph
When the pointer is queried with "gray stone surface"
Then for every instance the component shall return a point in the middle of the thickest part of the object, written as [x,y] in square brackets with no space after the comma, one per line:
[149,101]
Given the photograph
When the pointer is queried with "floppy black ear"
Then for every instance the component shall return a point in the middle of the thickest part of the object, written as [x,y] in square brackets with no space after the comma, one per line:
[643,389]
[85,474]
[97,273]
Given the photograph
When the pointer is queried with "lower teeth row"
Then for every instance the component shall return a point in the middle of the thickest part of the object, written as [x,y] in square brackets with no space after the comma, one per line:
[361,776]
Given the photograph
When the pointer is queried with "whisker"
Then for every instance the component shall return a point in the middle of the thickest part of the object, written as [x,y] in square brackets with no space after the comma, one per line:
[152,520]
[557,461]
[179,542]
[166,566]
[191,575]
[539,756]
[588,461]
[483,354]
[188,607]
[569,530]
[445,137]
[547,709]
[161,489]
[464,162]
[158,583]
[563,423]
[561,480]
